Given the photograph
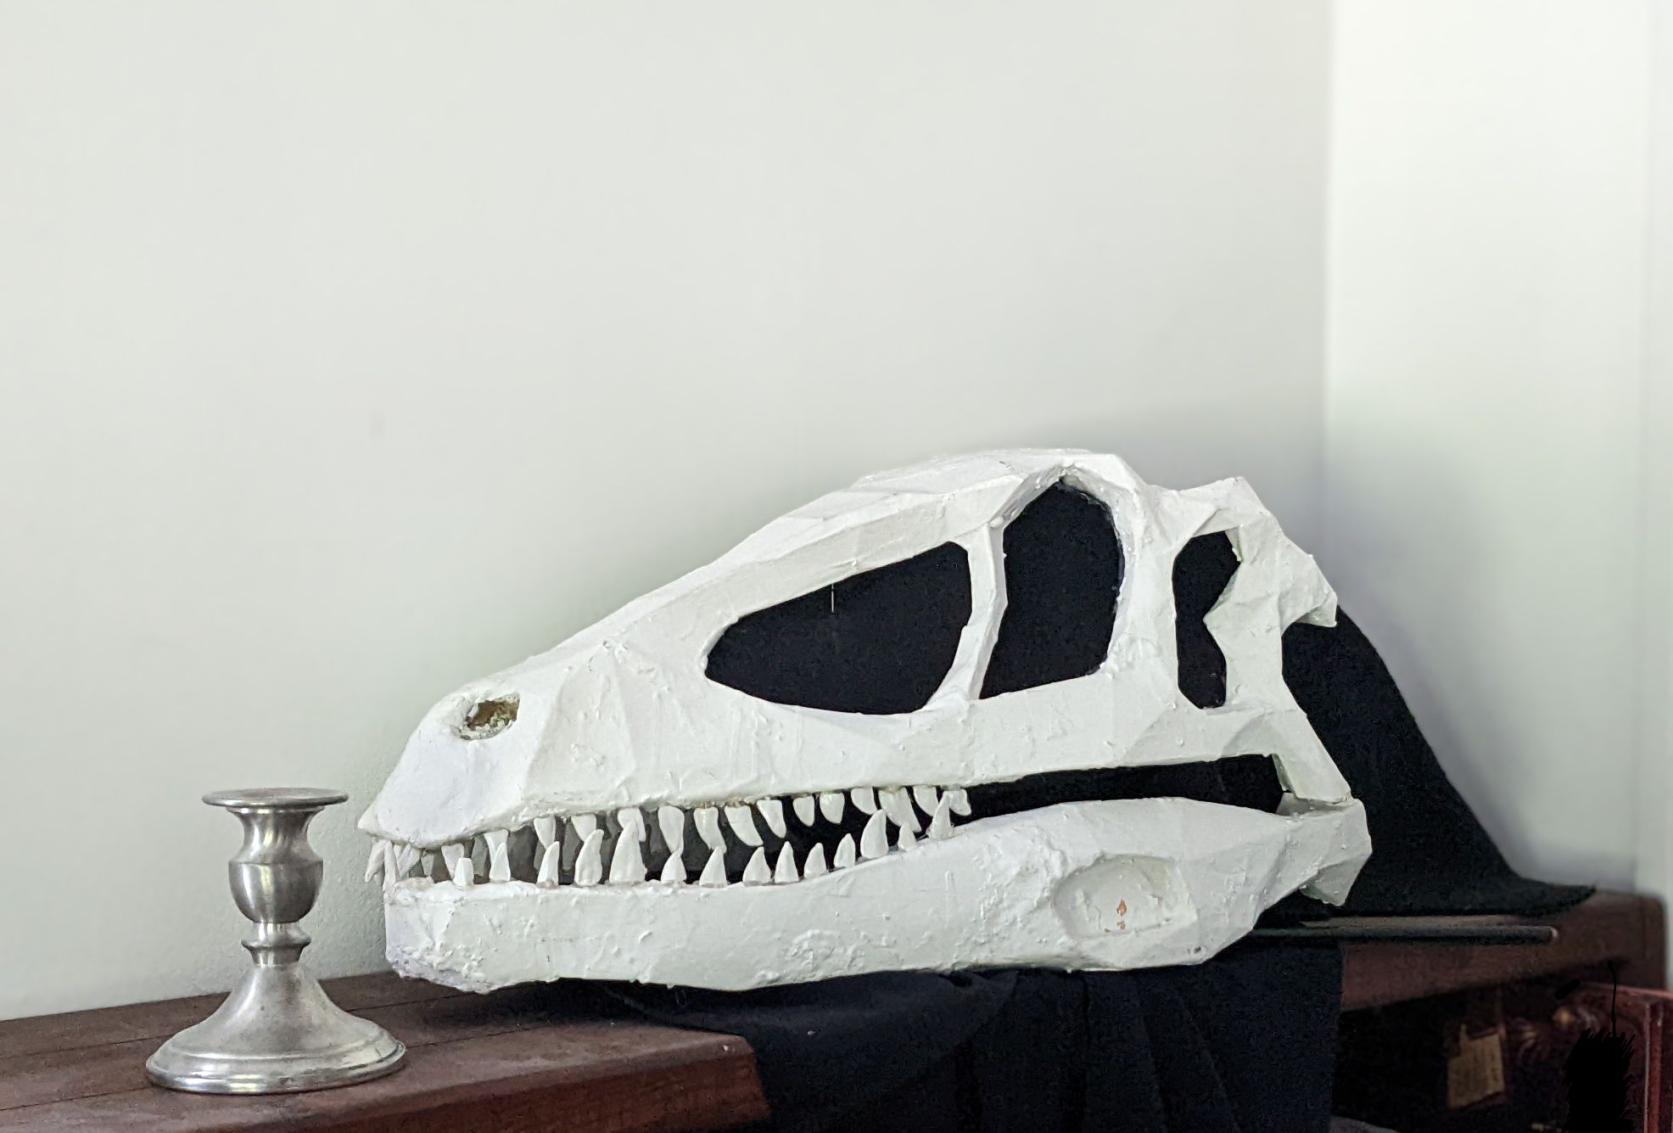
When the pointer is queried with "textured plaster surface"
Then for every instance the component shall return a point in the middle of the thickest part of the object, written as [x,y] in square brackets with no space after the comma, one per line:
[621,719]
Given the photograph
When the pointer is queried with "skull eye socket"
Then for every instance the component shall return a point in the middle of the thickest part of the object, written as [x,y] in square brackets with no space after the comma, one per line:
[878,642]
[1201,573]
[1063,569]
[488,717]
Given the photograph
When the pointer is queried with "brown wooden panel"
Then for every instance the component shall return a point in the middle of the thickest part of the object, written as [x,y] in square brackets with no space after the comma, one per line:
[90,1071]
[1607,928]
[530,1058]
[545,1058]
[159,1020]
[52,1076]
[580,1076]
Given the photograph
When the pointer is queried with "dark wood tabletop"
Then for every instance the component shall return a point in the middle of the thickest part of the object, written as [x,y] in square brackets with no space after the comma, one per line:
[1608,930]
[515,1061]
[529,1059]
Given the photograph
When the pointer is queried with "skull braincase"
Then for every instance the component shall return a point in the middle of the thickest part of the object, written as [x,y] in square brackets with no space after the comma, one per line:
[610,809]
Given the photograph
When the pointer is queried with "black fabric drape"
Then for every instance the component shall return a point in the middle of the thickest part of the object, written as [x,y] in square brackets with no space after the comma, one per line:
[1429,854]
[1242,1044]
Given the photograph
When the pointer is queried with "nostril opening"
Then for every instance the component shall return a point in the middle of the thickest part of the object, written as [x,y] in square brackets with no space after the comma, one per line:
[488,717]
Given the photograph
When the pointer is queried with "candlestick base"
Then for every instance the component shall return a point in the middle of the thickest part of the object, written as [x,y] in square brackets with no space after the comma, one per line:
[277,1032]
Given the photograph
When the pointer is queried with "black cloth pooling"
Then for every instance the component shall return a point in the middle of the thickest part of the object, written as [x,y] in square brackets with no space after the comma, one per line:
[1429,854]
[1244,1043]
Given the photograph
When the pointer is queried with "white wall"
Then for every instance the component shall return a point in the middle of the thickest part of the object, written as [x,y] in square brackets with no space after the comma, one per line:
[1486,485]
[351,351]
[1655,816]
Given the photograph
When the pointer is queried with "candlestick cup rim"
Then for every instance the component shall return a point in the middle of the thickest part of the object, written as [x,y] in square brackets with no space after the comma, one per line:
[275,798]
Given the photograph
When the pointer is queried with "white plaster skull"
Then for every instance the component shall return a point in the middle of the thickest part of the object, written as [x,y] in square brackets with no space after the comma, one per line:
[571,815]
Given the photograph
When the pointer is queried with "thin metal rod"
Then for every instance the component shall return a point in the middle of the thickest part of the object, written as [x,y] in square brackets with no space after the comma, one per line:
[1413,930]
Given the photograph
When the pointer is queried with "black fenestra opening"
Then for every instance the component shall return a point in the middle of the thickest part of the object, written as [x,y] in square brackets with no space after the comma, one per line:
[1062,575]
[878,642]
[1201,573]
[1249,781]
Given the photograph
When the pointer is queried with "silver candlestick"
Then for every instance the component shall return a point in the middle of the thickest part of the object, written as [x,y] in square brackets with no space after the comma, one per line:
[277,1032]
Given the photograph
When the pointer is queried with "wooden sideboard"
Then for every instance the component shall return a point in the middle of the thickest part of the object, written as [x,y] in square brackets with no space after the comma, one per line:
[1609,929]
[517,1061]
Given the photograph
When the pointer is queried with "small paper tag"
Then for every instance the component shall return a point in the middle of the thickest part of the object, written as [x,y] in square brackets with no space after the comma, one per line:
[1477,1071]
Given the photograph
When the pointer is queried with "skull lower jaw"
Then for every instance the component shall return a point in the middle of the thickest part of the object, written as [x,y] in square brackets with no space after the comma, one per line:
[1091,885]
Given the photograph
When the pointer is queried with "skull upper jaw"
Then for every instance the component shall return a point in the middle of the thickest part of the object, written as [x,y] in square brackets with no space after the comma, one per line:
[607,732]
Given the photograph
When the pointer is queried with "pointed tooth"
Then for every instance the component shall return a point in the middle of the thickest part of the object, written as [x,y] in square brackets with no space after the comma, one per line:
[815,864]
[784,870]
[942,824]
[551,860]
[405,858]
[898,806]
[830,805]
[633,822]
[673,870]
[959,799]
[740,819]
[583,827]
[926,798]
[464,871]
[708,827]
[844,856]
[479,855]
[450,855]
[773,811]
[714,871]
[874,840]
[589,867]
[391,870]
[864,798]
[907,839]
[427,863]
[805,808]
[374,860]
[671,821]
[756,872]
[546,829]
[627,864]
[499,863]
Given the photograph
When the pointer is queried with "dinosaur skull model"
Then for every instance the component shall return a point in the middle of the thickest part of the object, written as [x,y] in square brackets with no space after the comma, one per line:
[610,809]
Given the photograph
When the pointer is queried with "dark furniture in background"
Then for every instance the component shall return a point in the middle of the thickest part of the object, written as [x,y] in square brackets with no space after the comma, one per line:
[522,1061]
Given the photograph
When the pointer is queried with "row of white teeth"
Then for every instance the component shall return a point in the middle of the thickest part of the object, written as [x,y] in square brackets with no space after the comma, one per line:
[571,850]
